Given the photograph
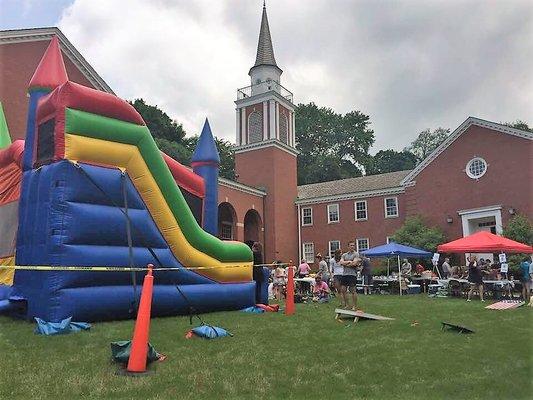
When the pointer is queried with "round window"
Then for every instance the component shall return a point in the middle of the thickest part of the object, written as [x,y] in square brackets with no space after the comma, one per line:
[476,168]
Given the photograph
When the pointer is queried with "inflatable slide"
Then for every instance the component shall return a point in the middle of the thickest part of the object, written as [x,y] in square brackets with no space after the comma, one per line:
[96,191]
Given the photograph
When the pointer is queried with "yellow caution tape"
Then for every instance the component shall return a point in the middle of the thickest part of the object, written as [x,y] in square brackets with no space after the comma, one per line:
[106,269]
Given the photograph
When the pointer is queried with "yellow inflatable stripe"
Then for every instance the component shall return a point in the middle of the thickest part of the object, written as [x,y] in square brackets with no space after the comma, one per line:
[128,157]
[6,275]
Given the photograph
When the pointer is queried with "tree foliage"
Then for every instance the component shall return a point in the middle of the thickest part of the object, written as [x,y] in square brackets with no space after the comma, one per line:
[426,142]
[390,161]
[414,232]
[159,123]
[226,150]
[170,137]
[519,124]
[331,145]
[519,229]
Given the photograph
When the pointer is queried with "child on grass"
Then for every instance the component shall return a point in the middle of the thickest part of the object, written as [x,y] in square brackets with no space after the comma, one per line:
[320,290]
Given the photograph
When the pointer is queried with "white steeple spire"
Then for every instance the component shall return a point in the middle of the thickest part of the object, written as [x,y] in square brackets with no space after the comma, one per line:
[265,67]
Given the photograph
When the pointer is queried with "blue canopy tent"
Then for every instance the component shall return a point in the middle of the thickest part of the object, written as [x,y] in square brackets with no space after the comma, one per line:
[393,249]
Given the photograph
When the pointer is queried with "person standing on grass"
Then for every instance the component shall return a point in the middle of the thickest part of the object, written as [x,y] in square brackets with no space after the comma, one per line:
[527,271]
[338,271]
[280,279]
[446,269]
[323,269]
[257,270]
[367,275]
[350,261]
[303,269]
[474,277]
[406,267]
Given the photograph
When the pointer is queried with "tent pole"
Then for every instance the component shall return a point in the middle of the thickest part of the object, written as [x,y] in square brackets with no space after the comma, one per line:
[388,268]
[399,275]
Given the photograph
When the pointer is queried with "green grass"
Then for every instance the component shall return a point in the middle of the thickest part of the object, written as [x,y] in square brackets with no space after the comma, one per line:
[306,356]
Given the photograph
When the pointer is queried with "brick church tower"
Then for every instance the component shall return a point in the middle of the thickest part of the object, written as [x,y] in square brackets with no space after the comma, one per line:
[265,156]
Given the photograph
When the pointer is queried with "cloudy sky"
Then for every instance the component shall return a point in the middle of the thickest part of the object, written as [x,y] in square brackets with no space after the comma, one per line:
[410,65]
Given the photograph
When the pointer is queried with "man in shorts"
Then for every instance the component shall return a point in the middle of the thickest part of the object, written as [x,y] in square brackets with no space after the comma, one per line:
[350,261]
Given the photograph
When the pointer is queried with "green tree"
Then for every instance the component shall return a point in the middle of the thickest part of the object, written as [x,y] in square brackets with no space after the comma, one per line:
[427,141]
[169,136]
[160,124]
[519,229]
[331,145]
[414,232]
[390,161]
[178,151]
[226,150]
[519,124]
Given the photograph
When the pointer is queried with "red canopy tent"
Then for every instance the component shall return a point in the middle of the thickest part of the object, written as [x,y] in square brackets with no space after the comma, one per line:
[484,242]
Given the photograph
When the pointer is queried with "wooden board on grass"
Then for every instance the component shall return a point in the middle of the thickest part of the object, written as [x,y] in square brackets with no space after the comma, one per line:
[356,315]
[455,327]
[506,305]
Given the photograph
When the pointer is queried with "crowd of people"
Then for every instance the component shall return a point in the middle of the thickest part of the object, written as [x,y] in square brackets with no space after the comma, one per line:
[338,275]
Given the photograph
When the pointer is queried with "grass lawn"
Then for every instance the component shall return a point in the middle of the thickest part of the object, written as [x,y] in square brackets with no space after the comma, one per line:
[308,355]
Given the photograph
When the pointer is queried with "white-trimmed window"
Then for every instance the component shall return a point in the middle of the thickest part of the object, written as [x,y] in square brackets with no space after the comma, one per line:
[476,168]
[362,244]
[309,252]
[334,245]
[361,213]
[391,207]
[307,216]
[333,213]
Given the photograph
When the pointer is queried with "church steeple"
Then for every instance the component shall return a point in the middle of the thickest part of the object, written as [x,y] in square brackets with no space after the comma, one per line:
[265,67]
[265,155]
[265,50]
[265,109]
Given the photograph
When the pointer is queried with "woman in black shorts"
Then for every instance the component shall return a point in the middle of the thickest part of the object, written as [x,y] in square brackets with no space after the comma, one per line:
[475,278]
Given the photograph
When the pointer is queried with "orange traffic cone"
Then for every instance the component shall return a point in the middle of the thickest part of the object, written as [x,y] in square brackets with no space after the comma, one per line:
[289,303]
[139,346]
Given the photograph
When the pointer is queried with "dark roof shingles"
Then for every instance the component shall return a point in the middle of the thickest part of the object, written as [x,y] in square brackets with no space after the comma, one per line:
[351,185]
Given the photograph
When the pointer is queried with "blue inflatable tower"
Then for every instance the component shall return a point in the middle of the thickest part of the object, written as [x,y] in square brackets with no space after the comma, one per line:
[206,162]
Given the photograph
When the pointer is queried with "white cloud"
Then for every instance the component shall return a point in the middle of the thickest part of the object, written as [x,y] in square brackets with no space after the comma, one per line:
[409,65]
[184,60]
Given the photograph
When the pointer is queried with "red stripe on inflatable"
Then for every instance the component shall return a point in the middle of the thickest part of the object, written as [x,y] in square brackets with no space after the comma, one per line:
[202,163]
[79,97]
[185,177]
[11,172]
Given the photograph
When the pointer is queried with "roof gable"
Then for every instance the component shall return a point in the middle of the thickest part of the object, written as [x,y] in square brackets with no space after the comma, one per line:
[37,34]
[409,179]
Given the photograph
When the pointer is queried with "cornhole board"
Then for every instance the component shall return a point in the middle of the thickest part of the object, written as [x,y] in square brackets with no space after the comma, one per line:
[454,327]
[506,305]
[356,315]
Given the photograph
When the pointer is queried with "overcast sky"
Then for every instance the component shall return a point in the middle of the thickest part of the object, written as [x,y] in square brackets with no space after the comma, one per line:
[410,65]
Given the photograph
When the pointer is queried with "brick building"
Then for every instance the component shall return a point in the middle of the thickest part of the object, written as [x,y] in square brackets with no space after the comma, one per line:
[240,206]
[477,179]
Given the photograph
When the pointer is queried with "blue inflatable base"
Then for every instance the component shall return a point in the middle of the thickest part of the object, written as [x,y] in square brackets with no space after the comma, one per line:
[101,303]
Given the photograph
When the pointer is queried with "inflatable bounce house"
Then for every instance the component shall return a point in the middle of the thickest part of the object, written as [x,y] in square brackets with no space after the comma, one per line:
[89,187]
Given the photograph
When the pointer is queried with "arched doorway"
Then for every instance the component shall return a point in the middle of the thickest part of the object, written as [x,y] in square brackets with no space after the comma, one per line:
[252,227]
[227,219]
